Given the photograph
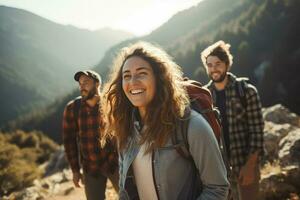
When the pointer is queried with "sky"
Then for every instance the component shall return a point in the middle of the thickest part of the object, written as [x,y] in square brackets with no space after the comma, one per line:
[139,17]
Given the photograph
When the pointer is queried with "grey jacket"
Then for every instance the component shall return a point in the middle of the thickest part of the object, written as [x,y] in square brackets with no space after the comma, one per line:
[175,176]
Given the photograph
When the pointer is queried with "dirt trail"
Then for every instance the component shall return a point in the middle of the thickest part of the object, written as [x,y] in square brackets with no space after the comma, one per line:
[72,193]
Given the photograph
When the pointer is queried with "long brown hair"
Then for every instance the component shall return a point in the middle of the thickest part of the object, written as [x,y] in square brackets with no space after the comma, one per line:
[167,106]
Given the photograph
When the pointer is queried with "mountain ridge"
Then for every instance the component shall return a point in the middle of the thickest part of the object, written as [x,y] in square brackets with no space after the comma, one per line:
[38,56]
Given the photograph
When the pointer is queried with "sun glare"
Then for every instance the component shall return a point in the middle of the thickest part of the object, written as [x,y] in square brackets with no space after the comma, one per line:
[139,17]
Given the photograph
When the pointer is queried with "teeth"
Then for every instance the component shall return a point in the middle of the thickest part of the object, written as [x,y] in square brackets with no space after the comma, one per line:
[136,91]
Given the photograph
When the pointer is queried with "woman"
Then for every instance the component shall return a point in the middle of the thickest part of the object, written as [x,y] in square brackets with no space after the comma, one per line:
[145,103]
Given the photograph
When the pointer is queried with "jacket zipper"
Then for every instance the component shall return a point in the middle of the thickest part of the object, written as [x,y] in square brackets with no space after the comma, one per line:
[155,186]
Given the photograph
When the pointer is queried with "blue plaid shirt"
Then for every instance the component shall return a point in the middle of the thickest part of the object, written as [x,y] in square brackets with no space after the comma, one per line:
[245,125]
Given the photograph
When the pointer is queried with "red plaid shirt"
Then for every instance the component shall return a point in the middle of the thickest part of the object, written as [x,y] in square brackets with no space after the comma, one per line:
[92,157]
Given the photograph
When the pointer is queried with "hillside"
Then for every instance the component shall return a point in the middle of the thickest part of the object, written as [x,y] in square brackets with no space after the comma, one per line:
[176,28]
[264,36]
[265,43]
[49,118]
[38,58]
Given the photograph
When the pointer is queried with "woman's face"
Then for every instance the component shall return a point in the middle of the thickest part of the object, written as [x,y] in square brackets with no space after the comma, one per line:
[138,82]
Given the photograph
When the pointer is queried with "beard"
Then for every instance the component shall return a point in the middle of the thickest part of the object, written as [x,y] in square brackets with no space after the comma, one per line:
[220,79]
[90,94]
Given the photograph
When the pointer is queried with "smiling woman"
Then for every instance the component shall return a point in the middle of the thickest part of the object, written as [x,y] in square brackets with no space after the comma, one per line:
[146,105]
[147,80]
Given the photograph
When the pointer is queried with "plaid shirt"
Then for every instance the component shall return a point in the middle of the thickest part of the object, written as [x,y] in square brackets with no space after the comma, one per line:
[245,124]
[93,158]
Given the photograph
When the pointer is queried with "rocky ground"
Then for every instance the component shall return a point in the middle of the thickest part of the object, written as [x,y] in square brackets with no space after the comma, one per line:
[58,186]
[280,174]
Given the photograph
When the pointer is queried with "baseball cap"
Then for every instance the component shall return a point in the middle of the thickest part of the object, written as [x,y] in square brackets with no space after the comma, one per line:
[90,73]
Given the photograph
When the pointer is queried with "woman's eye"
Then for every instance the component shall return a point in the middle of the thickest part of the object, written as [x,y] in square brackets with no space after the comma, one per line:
[126,77]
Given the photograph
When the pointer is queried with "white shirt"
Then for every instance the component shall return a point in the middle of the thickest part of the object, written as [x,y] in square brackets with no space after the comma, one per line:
[142,169]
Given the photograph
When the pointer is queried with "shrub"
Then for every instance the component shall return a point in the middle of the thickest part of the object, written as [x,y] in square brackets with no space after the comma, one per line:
[42,146]
[20,155]
[15,171]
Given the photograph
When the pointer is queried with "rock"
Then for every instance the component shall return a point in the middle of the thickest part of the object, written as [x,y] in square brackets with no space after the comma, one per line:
[68,190]
[293,175]
[280,185]
[289,146]
[280,115]
[46,185]
[31,193]
[273,133]
[57,178]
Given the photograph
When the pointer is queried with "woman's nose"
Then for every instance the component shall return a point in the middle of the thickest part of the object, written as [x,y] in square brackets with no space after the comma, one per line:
[134,78]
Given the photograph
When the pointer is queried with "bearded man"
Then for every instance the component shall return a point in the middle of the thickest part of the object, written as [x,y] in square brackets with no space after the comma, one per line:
[82,126]
[242,122]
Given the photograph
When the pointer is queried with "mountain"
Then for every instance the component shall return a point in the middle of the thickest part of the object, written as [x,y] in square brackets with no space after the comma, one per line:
[264,35]
[38,58]
[176,28]
[265,40]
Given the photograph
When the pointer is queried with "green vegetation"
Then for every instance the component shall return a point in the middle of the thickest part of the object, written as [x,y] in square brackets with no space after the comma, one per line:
[47,119]
[20,155]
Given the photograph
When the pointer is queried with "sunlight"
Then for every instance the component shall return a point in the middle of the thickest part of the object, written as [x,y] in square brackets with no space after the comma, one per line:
[135,16]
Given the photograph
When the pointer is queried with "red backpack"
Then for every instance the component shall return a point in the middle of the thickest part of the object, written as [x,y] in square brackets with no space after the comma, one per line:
[201,101]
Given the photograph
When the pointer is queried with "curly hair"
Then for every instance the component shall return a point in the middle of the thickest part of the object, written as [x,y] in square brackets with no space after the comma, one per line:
[219,49]
[167,106]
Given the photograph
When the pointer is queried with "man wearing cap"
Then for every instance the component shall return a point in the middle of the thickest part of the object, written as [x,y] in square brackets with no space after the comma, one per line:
[82,126]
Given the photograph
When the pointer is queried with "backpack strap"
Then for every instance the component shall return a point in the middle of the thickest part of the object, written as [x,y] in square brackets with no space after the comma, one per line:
[184,126]
[181,130]
[240,88]
[184,151]
[76,108]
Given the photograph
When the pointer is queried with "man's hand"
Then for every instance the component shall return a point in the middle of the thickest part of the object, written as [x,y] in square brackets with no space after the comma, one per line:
[77,176]
[248,172]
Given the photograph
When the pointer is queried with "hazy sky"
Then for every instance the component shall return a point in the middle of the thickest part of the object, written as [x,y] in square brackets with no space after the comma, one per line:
[136,16]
